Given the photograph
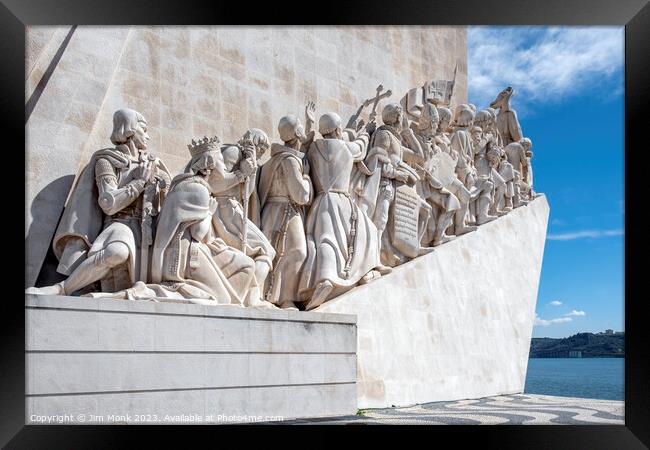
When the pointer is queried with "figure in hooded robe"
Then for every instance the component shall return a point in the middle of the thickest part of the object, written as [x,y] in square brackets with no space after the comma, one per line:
[342,241]
[285,190]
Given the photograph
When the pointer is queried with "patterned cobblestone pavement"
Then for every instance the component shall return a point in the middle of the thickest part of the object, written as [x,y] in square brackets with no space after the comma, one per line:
[519,409]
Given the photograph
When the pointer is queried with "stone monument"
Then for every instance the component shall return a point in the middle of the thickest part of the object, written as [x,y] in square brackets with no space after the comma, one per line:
[326,219]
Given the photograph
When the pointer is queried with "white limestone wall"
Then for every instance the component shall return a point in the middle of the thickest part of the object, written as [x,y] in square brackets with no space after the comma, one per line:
[114,361]
[454,324]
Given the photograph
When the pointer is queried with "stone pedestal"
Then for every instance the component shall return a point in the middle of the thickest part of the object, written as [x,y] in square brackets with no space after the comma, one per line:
[456,323]
[113,361]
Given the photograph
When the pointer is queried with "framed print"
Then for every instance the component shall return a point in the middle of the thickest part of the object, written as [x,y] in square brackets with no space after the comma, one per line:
[388,215]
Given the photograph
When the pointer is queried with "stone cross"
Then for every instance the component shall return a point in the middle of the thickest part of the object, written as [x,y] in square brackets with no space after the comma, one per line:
[376,99]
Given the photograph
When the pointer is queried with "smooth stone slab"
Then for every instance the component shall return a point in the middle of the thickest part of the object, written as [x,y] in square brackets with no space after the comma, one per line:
[448,325]
[118,360]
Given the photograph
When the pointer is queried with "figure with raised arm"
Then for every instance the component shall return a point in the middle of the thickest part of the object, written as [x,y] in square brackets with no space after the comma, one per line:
[342,242]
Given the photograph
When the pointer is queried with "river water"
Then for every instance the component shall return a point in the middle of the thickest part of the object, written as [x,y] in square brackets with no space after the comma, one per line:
[601,378]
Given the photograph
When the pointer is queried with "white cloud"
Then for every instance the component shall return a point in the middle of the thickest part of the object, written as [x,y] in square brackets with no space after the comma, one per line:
[543,64]
[539,322]
[555,303]
[584,234]
[576,313]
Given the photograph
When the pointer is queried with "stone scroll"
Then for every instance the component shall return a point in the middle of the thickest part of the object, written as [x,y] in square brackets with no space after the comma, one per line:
[405,215]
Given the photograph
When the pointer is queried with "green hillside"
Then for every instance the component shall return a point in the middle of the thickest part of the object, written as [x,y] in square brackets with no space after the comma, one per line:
[586,345]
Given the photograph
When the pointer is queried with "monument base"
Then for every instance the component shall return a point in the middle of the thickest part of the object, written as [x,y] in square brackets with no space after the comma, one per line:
[114,361]
[453,324]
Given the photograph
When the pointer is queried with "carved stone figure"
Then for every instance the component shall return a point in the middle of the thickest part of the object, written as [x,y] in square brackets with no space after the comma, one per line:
[437,173]
[516,155]
[342,242]
[105,232]
[461,142]
[480,186]
[321,216]
[487,120]
[284,189]
[386,162]
[489,182]
[457,187]
[483,120]
[189,262]
[507,122]
[233,190]
[528,177]
[188,255]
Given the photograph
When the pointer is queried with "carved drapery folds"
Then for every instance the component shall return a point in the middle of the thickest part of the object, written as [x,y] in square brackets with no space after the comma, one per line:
[330,208]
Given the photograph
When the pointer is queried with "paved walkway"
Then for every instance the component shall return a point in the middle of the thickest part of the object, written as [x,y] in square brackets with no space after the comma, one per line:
[526,409]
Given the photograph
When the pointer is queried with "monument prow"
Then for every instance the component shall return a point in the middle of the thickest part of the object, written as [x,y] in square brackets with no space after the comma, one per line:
[455,323]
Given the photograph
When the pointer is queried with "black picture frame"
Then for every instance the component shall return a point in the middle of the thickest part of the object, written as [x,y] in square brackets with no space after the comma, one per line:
[633,14]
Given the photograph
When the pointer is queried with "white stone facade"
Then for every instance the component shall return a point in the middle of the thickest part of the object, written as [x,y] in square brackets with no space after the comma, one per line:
[446,327]
[142,360]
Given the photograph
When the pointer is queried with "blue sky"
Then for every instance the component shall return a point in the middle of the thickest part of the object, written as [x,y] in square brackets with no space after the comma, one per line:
[569,89]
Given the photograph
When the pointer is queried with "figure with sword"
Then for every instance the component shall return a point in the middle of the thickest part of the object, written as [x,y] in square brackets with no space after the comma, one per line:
[106,229]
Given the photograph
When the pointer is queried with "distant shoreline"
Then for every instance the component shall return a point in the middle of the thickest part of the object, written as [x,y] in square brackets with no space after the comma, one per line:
[581,345]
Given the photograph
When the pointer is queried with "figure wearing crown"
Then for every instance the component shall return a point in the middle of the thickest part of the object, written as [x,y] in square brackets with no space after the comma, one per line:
[189,259]
[106,229]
